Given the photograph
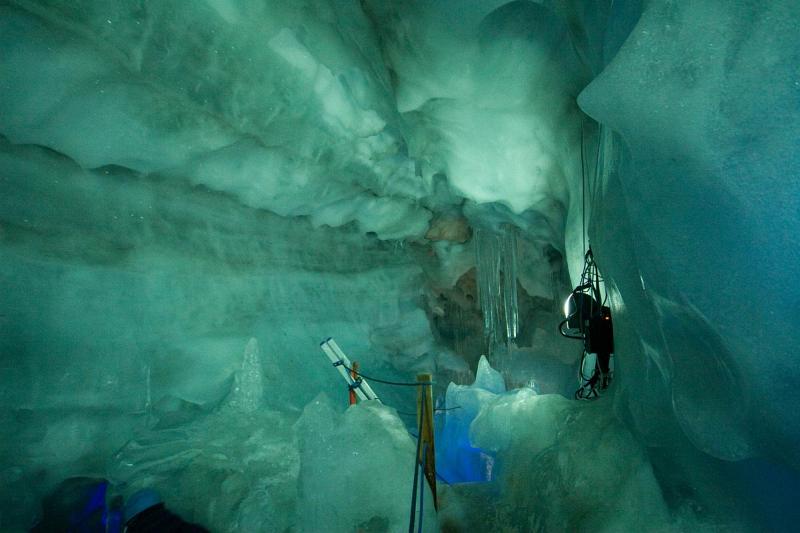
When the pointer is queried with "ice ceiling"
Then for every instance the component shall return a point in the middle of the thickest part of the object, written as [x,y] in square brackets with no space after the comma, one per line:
[177,178]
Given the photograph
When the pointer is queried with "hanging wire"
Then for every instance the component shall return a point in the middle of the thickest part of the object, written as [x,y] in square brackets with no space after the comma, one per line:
[595,189]
[360,374]
[406,413]
[583,187]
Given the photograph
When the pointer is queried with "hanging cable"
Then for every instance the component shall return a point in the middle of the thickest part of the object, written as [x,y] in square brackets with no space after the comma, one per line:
[589,320]
[597,181]
[583,189]
[586,316]
[406,413]
[385,382]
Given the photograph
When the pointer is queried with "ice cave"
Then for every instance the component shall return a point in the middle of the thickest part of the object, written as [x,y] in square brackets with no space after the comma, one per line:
[305,266]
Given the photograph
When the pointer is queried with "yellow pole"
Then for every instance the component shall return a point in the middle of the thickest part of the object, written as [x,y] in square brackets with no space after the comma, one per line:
[425,390]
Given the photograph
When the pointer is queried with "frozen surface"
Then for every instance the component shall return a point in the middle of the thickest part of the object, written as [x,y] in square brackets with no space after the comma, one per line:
[245,469]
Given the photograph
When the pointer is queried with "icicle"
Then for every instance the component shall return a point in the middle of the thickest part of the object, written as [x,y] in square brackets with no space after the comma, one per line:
[496,260]
[148,399]
[482,253]
[487,259]
[510,303]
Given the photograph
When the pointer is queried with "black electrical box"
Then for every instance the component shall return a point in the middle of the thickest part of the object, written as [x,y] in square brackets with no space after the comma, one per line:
[600,339]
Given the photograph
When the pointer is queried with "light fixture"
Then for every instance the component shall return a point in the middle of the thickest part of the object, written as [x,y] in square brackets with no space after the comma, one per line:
[579,307]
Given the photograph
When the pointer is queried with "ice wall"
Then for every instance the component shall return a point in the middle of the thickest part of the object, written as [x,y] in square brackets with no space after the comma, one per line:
[125,294]
[287,110]
[569,466]
[170,178]
[696,229]
[488,92]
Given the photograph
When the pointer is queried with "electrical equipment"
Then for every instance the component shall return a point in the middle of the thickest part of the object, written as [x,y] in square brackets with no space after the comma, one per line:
[587,319]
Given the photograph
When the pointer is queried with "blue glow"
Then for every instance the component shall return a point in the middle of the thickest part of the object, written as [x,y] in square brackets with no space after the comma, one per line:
[456,459]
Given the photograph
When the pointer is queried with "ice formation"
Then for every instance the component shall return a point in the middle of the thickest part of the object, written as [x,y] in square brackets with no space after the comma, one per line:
[193,195]
[355,471]
[458,459]
[496,264]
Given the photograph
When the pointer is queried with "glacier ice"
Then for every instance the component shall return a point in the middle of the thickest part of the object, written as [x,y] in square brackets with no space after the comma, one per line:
[457,459]
[549,446]
[247,394]
[411,177]
[496,265]
[712,153]
[355,471]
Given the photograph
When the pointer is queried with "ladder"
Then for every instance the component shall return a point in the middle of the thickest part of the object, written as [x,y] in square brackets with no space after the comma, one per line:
[342,363]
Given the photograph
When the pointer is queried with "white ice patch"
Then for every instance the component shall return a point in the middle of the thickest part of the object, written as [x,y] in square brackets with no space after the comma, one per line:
[491,102]
[356,469]
[568,465]
[339,110]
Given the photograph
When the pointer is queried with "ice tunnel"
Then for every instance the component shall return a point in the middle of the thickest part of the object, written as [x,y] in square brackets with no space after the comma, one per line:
[195,195]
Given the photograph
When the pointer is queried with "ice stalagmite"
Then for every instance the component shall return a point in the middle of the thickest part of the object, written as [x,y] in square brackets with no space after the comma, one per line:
[248,390]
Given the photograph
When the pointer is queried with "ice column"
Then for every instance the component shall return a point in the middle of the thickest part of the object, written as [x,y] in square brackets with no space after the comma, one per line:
[496,260]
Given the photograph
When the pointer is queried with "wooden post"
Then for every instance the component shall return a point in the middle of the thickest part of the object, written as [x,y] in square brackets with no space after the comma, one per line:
[426,415]
[354,375]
